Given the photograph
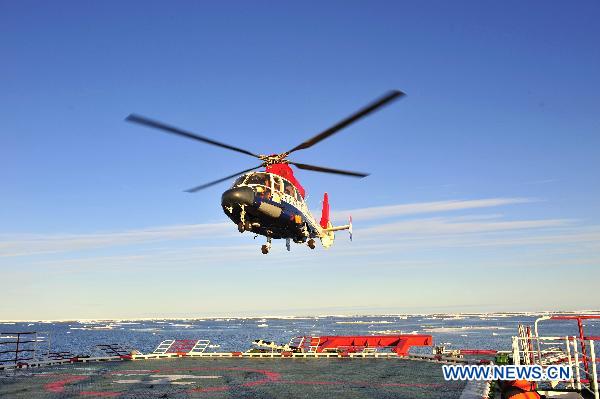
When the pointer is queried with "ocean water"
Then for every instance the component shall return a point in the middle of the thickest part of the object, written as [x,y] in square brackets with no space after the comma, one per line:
[466,331]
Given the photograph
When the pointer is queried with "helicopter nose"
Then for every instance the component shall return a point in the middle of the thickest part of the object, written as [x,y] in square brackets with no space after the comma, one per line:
[238,196]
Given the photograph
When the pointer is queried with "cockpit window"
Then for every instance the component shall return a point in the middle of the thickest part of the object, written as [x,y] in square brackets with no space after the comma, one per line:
[277,183]
[289,189]
[259,178]
[239,180]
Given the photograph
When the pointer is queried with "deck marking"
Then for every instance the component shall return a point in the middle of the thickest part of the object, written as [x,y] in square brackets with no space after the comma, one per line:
[362,384]
[59,386]
[131,372]
[158,379]
[270,376]
[416,385]
[163,376]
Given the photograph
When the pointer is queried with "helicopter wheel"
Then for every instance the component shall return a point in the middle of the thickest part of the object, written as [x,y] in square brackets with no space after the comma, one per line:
[241,227]
[265,249]
[311,243]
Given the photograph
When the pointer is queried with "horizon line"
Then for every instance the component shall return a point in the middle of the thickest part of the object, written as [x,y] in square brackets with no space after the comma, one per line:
[531,312]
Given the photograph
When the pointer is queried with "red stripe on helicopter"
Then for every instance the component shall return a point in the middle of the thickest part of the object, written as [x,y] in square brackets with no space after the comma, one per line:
[325,213]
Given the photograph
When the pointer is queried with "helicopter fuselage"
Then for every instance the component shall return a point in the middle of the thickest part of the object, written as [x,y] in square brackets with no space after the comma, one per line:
[269,205]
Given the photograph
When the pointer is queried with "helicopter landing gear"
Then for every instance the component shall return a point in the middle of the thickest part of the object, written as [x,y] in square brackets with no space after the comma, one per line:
[244,225]
[311,243]
[265,248]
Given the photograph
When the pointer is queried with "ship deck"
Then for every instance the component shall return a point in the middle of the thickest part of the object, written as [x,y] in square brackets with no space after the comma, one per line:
[233,378]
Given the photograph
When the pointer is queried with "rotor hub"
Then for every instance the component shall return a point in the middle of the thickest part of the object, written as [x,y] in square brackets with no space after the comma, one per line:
[273,159]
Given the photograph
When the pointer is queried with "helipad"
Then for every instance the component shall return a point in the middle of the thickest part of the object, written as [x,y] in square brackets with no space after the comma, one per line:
[233,378]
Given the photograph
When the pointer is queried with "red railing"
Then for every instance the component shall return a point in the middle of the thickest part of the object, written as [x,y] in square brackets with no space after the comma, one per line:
[582,337]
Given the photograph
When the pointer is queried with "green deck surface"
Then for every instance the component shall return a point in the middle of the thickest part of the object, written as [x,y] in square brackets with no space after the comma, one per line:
[233,378]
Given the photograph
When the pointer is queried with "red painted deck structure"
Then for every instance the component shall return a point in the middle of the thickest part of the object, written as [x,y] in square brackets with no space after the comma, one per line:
[400,344]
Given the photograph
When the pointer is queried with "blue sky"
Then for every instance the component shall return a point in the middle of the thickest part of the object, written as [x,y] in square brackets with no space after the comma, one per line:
[484,178]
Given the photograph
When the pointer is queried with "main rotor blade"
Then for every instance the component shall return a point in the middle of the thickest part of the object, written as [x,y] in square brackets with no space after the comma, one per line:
[212,183]
[387,98]
[159,125]
[329,170]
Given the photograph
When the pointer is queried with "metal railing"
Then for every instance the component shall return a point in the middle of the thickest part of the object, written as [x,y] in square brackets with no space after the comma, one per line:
[590,381]
[548,351]
[22,347]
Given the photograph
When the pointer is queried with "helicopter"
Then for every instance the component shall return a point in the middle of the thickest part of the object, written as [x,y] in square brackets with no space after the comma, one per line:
[272,202]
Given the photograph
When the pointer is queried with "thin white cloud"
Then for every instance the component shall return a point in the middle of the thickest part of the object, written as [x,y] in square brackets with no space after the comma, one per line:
[456,231]
[580,242]
[580,236]
[425,207]
[570,240]
[151,258]
[457,226]
[24,245]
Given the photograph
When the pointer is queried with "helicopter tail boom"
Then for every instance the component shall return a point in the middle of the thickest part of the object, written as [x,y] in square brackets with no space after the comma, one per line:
[348,227]
[329,229]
